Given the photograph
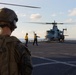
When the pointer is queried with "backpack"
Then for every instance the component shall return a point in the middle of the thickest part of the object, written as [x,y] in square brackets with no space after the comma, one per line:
[8,63]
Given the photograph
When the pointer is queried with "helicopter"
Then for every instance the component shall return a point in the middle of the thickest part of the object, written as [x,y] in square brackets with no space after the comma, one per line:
[54,34]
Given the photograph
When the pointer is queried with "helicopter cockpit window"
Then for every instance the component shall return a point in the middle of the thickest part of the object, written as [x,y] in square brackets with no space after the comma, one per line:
[52,32]
[58,30]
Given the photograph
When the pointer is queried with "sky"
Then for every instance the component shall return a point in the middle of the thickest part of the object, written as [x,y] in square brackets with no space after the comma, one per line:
[63,11]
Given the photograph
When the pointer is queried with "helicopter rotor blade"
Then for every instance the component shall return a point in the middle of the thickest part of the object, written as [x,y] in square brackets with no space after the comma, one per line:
[37,23]
[40,23]
[18,5]
[53,23]
[60,23]
[44,23]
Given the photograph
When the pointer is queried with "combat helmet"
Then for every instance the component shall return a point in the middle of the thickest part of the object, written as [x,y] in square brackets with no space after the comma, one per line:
[8,17]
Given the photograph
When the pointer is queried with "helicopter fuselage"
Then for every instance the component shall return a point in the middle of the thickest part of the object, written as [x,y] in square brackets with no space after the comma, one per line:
[54,34]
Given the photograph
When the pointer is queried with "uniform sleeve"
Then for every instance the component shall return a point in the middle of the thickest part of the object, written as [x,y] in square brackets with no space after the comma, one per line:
[25,63]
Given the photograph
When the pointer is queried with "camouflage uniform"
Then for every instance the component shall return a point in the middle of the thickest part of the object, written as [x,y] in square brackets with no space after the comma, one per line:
[25,62]
[16,58]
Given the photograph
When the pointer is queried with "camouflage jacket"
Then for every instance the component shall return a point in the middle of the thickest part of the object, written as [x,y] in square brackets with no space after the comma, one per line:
[19,57]
[25,60]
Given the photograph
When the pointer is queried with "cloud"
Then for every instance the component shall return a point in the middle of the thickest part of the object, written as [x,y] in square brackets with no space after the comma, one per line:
[35,16]
[69,20]
[53,15]
[72,12]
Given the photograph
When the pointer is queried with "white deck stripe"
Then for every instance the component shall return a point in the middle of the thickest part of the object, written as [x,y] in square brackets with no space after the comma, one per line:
[54,61]
[42,64]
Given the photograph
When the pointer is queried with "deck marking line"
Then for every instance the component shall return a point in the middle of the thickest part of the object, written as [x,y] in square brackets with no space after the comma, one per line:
[56,61]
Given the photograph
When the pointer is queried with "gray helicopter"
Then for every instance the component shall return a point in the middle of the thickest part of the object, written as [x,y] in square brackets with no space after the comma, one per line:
[54,34]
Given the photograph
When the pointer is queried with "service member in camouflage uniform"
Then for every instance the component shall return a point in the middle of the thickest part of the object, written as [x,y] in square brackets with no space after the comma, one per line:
[16,58]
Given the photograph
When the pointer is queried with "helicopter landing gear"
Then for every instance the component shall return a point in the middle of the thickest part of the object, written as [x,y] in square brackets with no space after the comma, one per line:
[61,39]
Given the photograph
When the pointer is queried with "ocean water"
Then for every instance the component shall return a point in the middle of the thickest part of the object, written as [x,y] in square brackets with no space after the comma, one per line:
[40,39]
[22,40]
[31,39]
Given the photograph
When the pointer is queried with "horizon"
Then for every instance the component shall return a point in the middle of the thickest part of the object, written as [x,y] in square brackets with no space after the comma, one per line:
[40,39]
